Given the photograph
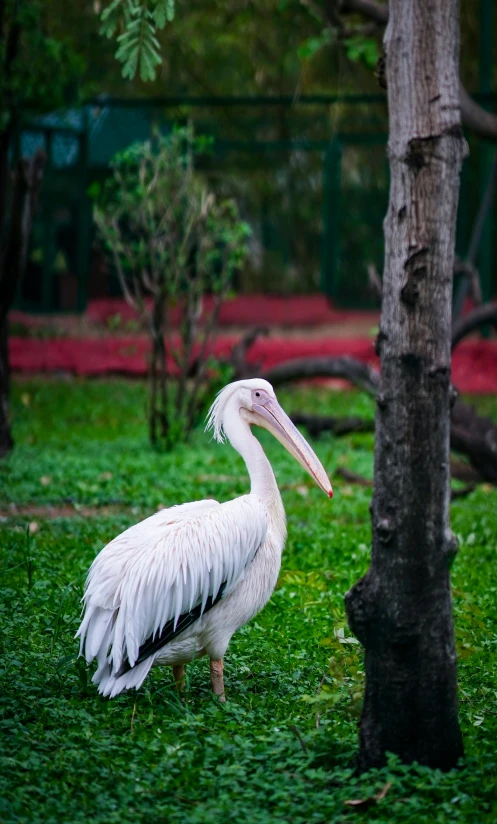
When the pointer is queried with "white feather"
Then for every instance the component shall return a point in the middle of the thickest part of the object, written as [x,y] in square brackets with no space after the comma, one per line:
[215,417]
[152,557]
[178,558]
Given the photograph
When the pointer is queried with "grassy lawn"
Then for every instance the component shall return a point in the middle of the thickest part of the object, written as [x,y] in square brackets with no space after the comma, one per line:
[281,748]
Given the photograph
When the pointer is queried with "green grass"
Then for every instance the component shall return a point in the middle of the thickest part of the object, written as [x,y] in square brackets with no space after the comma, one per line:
[281,749]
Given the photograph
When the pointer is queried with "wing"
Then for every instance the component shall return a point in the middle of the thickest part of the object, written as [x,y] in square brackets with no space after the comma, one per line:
[152,581]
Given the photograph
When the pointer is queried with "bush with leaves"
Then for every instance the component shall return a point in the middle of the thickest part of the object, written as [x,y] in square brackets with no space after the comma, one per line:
[172,241]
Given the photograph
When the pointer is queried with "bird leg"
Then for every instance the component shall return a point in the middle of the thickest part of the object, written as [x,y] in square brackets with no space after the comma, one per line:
[179,678]
[217,679]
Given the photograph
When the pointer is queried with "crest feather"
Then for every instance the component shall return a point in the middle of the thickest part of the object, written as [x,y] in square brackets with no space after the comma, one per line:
[215,416]
[214,420]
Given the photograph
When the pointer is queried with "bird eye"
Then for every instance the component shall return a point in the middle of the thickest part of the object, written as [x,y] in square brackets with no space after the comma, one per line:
[257,394]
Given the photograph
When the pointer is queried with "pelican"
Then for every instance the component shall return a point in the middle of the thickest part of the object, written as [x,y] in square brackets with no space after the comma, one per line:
[179,584]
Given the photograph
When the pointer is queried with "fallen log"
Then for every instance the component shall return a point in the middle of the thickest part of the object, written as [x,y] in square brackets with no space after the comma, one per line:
[338,426]
[358,373]
[354,478]
[471,435]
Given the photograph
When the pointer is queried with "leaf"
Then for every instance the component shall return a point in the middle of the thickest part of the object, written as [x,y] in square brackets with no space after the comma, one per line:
[309,47]
[137,46]
[163,12]
[112,15]
[363,49]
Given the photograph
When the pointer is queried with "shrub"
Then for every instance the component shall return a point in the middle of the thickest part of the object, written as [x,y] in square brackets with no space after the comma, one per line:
[172,242]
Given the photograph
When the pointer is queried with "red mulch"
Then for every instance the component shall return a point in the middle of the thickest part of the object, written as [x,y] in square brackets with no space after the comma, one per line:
[474,363]
[248,310]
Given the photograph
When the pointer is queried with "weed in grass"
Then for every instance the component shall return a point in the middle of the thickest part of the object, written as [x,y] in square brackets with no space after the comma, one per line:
[28,558]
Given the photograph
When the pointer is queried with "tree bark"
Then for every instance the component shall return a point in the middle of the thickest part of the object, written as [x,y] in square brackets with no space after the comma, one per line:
[401,610]
[6,440]
[474,117]
[158,417]
[26,183]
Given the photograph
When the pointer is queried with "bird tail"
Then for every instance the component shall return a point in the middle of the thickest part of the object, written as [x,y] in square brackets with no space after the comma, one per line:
[96,634]
[110,684]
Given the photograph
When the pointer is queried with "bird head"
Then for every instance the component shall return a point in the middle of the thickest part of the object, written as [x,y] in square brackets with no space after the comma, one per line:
[257,404]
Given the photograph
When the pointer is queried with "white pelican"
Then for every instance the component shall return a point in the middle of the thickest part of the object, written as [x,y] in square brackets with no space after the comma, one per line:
[179,584]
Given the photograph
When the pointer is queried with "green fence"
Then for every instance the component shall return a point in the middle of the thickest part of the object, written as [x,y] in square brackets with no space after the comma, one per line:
[60,251]
[310,176]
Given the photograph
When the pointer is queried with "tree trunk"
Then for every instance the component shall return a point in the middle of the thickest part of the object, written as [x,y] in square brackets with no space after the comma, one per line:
[158,417]
[401,610]
[13,254]
[6,441]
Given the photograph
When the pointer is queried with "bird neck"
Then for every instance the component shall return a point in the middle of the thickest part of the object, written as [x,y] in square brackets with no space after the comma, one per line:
[262,480]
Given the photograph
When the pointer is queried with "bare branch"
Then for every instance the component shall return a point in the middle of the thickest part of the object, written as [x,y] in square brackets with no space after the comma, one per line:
[239,352]
[374,280]
[485,315]
[467,270]
[476,118]
[369,8]
[475,437]
[462,493]
[329,15]
[353,477]
[462,471]
[202,359]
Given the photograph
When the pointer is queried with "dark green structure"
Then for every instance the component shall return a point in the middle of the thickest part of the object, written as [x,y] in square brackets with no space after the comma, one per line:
[310,176]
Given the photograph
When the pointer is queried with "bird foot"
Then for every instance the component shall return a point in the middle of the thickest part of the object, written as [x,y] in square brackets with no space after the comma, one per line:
[179,678]
[217,679]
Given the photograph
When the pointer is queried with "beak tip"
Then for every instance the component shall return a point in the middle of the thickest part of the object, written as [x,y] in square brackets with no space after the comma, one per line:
[330,493]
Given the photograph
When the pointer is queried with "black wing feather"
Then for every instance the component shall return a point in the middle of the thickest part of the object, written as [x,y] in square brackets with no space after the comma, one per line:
[169,631]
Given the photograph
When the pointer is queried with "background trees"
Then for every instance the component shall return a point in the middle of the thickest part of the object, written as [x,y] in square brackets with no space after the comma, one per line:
[37,71]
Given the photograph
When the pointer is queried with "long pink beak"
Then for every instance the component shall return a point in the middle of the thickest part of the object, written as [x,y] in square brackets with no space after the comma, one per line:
[275,420]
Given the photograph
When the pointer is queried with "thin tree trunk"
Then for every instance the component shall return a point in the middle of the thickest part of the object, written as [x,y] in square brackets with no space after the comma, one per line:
[152,415]
[401,610]
[13,254]
[154,378]
[158,417]
[6,440]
